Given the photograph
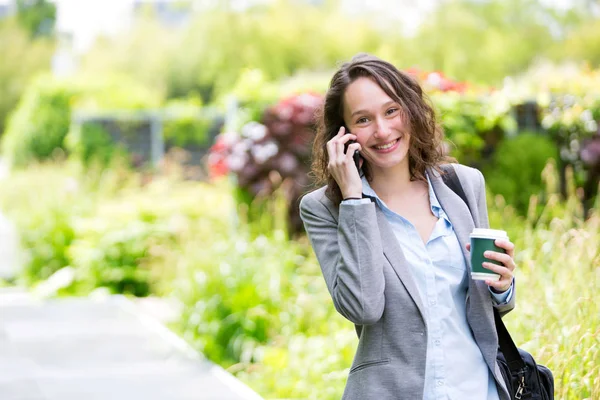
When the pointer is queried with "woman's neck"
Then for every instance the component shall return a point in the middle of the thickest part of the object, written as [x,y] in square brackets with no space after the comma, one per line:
[391,183]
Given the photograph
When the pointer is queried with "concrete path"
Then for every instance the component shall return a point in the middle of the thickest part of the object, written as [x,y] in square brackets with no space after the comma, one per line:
[85,349]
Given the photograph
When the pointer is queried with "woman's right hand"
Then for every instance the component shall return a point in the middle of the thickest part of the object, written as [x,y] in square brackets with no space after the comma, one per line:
[341,165]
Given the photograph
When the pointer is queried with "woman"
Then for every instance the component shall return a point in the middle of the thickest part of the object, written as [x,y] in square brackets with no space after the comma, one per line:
[392,243]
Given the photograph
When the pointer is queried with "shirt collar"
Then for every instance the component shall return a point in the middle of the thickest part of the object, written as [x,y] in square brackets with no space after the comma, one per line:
[436,208]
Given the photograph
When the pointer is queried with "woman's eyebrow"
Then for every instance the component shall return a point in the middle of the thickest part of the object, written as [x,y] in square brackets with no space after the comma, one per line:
[384,105]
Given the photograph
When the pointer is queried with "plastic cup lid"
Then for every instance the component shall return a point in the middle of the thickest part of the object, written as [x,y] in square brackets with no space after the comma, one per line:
[494,233]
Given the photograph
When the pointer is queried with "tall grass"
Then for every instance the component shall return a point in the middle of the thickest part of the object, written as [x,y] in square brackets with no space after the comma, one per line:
[558,279]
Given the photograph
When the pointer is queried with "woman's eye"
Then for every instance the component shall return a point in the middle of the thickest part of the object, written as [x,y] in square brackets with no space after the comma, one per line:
[391,111]
[361,121]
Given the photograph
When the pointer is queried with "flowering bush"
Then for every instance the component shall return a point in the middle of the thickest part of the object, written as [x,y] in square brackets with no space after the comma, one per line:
[263,155]
[436,81]
[572,122]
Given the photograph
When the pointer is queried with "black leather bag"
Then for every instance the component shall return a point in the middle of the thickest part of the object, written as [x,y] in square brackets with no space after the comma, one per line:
[524,378]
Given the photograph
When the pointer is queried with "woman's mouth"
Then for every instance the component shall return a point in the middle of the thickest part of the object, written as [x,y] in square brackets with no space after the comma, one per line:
[387,147]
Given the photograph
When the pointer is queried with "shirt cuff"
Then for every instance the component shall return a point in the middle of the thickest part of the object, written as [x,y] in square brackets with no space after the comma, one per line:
[504,297]
[357,201]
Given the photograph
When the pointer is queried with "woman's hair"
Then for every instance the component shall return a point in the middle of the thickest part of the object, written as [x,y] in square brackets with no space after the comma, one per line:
[426,136]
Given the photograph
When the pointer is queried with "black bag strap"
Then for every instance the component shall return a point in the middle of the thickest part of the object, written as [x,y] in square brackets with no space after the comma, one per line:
[507,345]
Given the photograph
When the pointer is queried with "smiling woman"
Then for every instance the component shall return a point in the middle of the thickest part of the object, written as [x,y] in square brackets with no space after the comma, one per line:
[380,129]
[376,99]
[391,239]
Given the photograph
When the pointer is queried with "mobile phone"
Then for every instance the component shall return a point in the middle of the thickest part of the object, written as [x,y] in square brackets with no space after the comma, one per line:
[356,155]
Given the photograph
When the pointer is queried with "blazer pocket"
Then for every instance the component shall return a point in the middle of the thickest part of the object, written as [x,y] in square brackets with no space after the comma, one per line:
[369,364]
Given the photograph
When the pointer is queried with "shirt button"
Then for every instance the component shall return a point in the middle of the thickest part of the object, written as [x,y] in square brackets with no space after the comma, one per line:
[437,342]
[440,383]
[433,302]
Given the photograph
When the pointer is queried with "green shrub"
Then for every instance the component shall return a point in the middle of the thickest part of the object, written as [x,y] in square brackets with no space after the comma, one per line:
[115,257]
[91,144]
[39,124]
[45,238]
[188,124]
[473,124]
[42,203]
[515,171]
[22,58]
[114,92]
[234,293]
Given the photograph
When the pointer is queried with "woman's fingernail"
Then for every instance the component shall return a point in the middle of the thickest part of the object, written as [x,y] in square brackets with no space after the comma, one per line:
[487,253]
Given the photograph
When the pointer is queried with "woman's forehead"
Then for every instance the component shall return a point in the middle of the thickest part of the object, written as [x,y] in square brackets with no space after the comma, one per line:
[364,93]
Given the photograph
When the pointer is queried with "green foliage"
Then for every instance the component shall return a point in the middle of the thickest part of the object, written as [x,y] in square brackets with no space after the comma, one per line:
[187,123]
[470,39]
[114,92]
[115,258]
[473,124]
[40,204]
[92,145]
[515,171]
[39,126]
[254,94]
[466,39]
[46,238]
[235,290]
[22,58]
[37,16]
[580,37]
[557,273]
[142,55]
[210,55]
[103,224]
[40,123]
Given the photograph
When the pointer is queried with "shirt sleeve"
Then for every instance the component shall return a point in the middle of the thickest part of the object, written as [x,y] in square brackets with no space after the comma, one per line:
[356,201]
[504,297]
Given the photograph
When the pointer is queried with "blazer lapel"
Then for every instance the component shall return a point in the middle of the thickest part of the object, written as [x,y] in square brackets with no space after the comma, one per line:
[394,255]
[457,211]
[478,293]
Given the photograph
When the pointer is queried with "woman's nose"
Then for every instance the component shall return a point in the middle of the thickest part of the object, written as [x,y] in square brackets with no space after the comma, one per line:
[383,129]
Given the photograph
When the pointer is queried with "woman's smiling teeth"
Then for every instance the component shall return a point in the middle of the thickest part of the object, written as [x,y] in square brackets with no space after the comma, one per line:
[386,145]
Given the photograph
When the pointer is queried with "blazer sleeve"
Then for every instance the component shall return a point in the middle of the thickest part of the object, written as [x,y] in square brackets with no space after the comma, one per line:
[503,308]
[350,254]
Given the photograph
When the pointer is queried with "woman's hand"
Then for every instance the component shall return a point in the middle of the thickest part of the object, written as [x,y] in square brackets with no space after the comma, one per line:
[341,165]
[506,270]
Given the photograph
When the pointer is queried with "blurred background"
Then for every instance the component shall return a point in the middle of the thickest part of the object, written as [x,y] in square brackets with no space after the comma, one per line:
[158,149]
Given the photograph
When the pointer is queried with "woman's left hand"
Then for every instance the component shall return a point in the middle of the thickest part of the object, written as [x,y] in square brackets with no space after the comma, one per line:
[506,270]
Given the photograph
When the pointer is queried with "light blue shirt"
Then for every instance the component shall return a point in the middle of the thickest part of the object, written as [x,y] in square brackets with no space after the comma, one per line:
[455,368]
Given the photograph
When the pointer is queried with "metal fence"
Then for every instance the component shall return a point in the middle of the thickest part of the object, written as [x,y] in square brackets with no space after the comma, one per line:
[141,133]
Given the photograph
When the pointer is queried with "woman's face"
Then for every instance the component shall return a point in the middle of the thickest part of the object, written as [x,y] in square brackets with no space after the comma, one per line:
[376,120]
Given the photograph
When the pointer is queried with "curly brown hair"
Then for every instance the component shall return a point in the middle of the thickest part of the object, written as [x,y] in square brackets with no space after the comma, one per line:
[426,139]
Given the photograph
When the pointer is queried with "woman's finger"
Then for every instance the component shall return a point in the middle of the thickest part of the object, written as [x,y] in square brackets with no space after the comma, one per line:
[501,257]
[331,150]
[506,245]
[498,269]
[341,144]
[501,285]
[351,149]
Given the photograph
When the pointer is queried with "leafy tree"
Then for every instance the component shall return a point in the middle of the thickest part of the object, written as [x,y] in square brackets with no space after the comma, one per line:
[209,55]
[22,58]
[483,40]
[36,16]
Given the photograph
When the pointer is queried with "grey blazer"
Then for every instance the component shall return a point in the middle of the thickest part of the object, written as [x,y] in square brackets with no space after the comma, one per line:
[370,284]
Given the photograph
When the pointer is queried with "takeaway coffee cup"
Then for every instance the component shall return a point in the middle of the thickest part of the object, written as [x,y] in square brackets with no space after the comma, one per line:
[483,240]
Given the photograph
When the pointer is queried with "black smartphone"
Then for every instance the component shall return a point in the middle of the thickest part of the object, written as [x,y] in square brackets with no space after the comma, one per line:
[356,155]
